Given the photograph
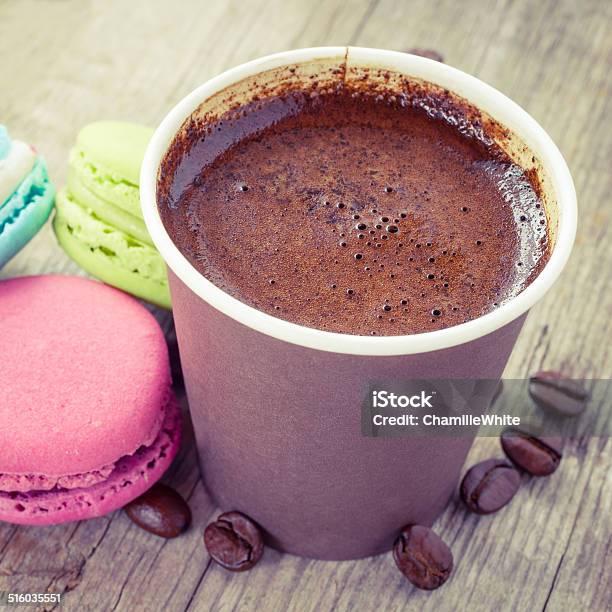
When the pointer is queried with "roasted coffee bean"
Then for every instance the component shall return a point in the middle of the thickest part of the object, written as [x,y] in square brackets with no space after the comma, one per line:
[489,485]
[423,557]
[234,541]
[558,394]
[428,53]
[539,456]
[161,510]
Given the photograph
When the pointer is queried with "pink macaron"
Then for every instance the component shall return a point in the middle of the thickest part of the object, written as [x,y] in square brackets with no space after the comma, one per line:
[88,417]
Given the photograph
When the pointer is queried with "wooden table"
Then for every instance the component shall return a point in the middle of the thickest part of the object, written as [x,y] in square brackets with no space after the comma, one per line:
[65,63]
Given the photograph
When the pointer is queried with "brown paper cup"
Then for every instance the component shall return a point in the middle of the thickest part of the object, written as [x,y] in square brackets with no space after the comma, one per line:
[276,406]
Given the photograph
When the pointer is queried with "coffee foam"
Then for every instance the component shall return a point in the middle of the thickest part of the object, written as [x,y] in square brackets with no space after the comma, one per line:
[376,250]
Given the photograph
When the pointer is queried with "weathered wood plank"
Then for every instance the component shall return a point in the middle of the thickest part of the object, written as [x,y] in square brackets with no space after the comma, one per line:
[550,548]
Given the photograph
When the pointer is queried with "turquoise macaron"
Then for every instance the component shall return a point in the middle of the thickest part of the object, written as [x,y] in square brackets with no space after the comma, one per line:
[26,195]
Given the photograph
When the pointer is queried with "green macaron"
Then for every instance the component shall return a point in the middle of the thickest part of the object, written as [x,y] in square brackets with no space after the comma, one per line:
[99,222]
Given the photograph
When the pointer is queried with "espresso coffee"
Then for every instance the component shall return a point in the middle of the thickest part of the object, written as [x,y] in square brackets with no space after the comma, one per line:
[356,212]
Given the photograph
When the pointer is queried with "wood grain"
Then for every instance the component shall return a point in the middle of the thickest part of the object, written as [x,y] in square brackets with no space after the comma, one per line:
[65,63]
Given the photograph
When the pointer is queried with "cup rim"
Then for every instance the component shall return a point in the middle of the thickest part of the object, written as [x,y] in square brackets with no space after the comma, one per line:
[483,96]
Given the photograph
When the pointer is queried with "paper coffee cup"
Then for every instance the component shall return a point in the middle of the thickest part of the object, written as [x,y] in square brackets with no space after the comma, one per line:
[277,406]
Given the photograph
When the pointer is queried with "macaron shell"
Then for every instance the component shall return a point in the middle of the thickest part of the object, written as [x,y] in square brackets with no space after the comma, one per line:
[85,375]
[116,147]
[105,183]
[132,476]
[25,212]
[110,254]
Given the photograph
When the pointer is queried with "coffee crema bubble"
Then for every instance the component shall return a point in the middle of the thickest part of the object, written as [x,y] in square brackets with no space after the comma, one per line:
[290,196]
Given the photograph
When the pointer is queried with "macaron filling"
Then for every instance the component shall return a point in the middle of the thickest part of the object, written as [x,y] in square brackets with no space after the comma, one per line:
[15,167]
[25,483]
[101,181]
[106,211]
[122,250]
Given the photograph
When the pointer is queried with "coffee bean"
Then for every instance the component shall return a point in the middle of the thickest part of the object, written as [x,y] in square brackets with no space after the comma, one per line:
[428,53]
[558,394]
[161,510]
[539,456]
[234,541]
[423,557]
[489,485]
